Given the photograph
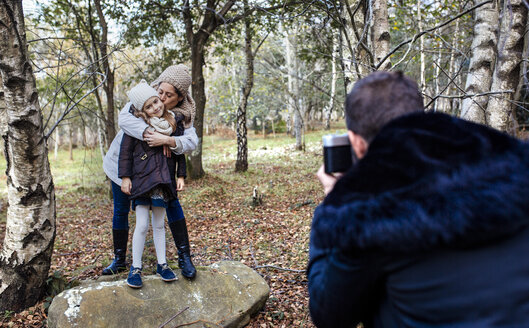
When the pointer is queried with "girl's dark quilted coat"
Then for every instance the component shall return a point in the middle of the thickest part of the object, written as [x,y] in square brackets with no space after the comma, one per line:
[149,167]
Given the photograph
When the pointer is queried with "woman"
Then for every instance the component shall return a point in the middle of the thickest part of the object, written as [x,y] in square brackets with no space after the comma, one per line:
[172,86]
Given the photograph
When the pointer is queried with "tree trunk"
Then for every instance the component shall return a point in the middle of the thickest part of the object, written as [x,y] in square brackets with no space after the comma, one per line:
[197,42]
[328,110]
[196,169]
[30,228]
[421,50]
[380,30]
[356,61]
[241,165]
[438,78]
[451,69]
[507,70]
[109,73]
[70,140]
[481,67]
[294,103]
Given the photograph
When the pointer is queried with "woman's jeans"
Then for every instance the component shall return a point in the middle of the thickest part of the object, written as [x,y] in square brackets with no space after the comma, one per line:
[120,220]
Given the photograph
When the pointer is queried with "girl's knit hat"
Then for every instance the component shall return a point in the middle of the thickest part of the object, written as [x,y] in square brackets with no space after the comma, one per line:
[178,76]
[140,94]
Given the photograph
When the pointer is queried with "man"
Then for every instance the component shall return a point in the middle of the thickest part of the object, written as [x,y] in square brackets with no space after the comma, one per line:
[429,228]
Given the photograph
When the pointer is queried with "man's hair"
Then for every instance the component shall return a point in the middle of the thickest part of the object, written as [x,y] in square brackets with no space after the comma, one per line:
[379,98]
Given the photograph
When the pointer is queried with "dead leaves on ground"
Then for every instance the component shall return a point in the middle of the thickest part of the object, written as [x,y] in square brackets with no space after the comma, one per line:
[222,226]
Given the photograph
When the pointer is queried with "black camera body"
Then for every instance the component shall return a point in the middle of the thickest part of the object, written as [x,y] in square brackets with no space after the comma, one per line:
[337,153]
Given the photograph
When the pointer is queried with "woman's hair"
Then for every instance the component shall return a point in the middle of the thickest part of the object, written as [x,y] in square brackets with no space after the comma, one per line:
[166,115]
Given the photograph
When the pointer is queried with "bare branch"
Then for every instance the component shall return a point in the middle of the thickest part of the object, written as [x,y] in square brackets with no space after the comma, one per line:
[418,35]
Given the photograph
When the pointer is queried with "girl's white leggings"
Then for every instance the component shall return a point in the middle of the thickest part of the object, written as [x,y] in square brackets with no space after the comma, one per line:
[140,232]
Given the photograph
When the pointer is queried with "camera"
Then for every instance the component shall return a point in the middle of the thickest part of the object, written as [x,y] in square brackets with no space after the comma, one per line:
[337,153]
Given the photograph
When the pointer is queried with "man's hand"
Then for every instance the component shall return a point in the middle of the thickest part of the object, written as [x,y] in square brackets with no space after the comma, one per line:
[327,181]
[126,185]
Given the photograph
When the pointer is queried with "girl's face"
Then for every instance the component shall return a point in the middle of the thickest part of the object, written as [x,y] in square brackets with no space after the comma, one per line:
[153,107]
[168,95]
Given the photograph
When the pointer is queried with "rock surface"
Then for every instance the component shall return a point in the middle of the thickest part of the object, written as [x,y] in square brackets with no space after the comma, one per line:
[226,293]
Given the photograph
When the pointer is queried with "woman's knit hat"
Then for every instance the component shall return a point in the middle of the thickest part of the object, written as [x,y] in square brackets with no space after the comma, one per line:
[178,76]
[140,94]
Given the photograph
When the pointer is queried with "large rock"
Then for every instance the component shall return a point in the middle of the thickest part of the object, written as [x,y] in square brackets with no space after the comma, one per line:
[226,293]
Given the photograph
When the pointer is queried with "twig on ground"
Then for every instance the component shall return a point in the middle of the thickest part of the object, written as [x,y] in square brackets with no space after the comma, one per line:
[277,268]
[197,321]
[174,316]
[253,256]
[96,258]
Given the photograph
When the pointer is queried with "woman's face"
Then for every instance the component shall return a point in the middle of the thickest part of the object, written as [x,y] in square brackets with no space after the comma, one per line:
[168,95]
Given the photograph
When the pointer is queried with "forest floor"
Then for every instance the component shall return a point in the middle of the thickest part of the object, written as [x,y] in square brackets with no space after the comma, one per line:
[223,222]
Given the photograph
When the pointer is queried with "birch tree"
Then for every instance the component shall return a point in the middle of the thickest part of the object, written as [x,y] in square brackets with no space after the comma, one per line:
[380,32]
[241,164]
[507,70]
[481,68]
[30,229]
[293,85]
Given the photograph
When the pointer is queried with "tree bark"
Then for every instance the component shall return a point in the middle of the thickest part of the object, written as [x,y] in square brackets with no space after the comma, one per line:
[507,71]
[421,50]
[356,55]
[448,104]
[30,229]
[380,30]
[481,67]
[109,73]
[241,165]
[211,19]
[293,86]
[328,110]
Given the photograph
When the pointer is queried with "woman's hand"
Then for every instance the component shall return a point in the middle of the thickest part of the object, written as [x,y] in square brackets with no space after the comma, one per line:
[180,184]
[126,185]
[155,139]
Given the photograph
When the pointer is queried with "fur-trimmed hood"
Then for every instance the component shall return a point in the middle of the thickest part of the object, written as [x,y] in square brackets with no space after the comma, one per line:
[428,180]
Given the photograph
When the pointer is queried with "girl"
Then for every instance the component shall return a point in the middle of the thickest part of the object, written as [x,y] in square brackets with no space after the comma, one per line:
[148,177]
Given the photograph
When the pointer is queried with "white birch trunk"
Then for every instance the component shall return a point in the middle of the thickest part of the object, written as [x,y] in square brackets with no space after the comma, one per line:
[293,85]
[30,229]
[479,78]
[507,71]
[355,41]
[447,104]
[330,105]
[437,78]
[421,49]
[380,30]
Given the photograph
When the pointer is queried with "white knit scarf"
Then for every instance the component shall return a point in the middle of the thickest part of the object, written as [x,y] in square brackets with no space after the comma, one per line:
[161,125]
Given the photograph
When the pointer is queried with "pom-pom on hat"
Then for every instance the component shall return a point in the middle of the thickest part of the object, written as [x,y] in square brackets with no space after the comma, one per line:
[141,93]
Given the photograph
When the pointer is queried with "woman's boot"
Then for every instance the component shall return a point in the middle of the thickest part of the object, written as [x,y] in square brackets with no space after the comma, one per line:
[181,239]
[120,250]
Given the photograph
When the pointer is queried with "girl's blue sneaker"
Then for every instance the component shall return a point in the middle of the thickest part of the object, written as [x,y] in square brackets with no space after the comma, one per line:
[134,278]
[165,272]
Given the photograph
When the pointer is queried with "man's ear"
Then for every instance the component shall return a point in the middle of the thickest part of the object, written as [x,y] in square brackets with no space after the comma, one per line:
[358,143]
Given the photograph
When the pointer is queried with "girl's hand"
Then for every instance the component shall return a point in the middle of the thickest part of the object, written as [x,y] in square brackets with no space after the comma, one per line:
[166,151]
[180,184]
[126,185]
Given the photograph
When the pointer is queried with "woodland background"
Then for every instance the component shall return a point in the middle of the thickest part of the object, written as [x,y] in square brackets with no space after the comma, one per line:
[269,79]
